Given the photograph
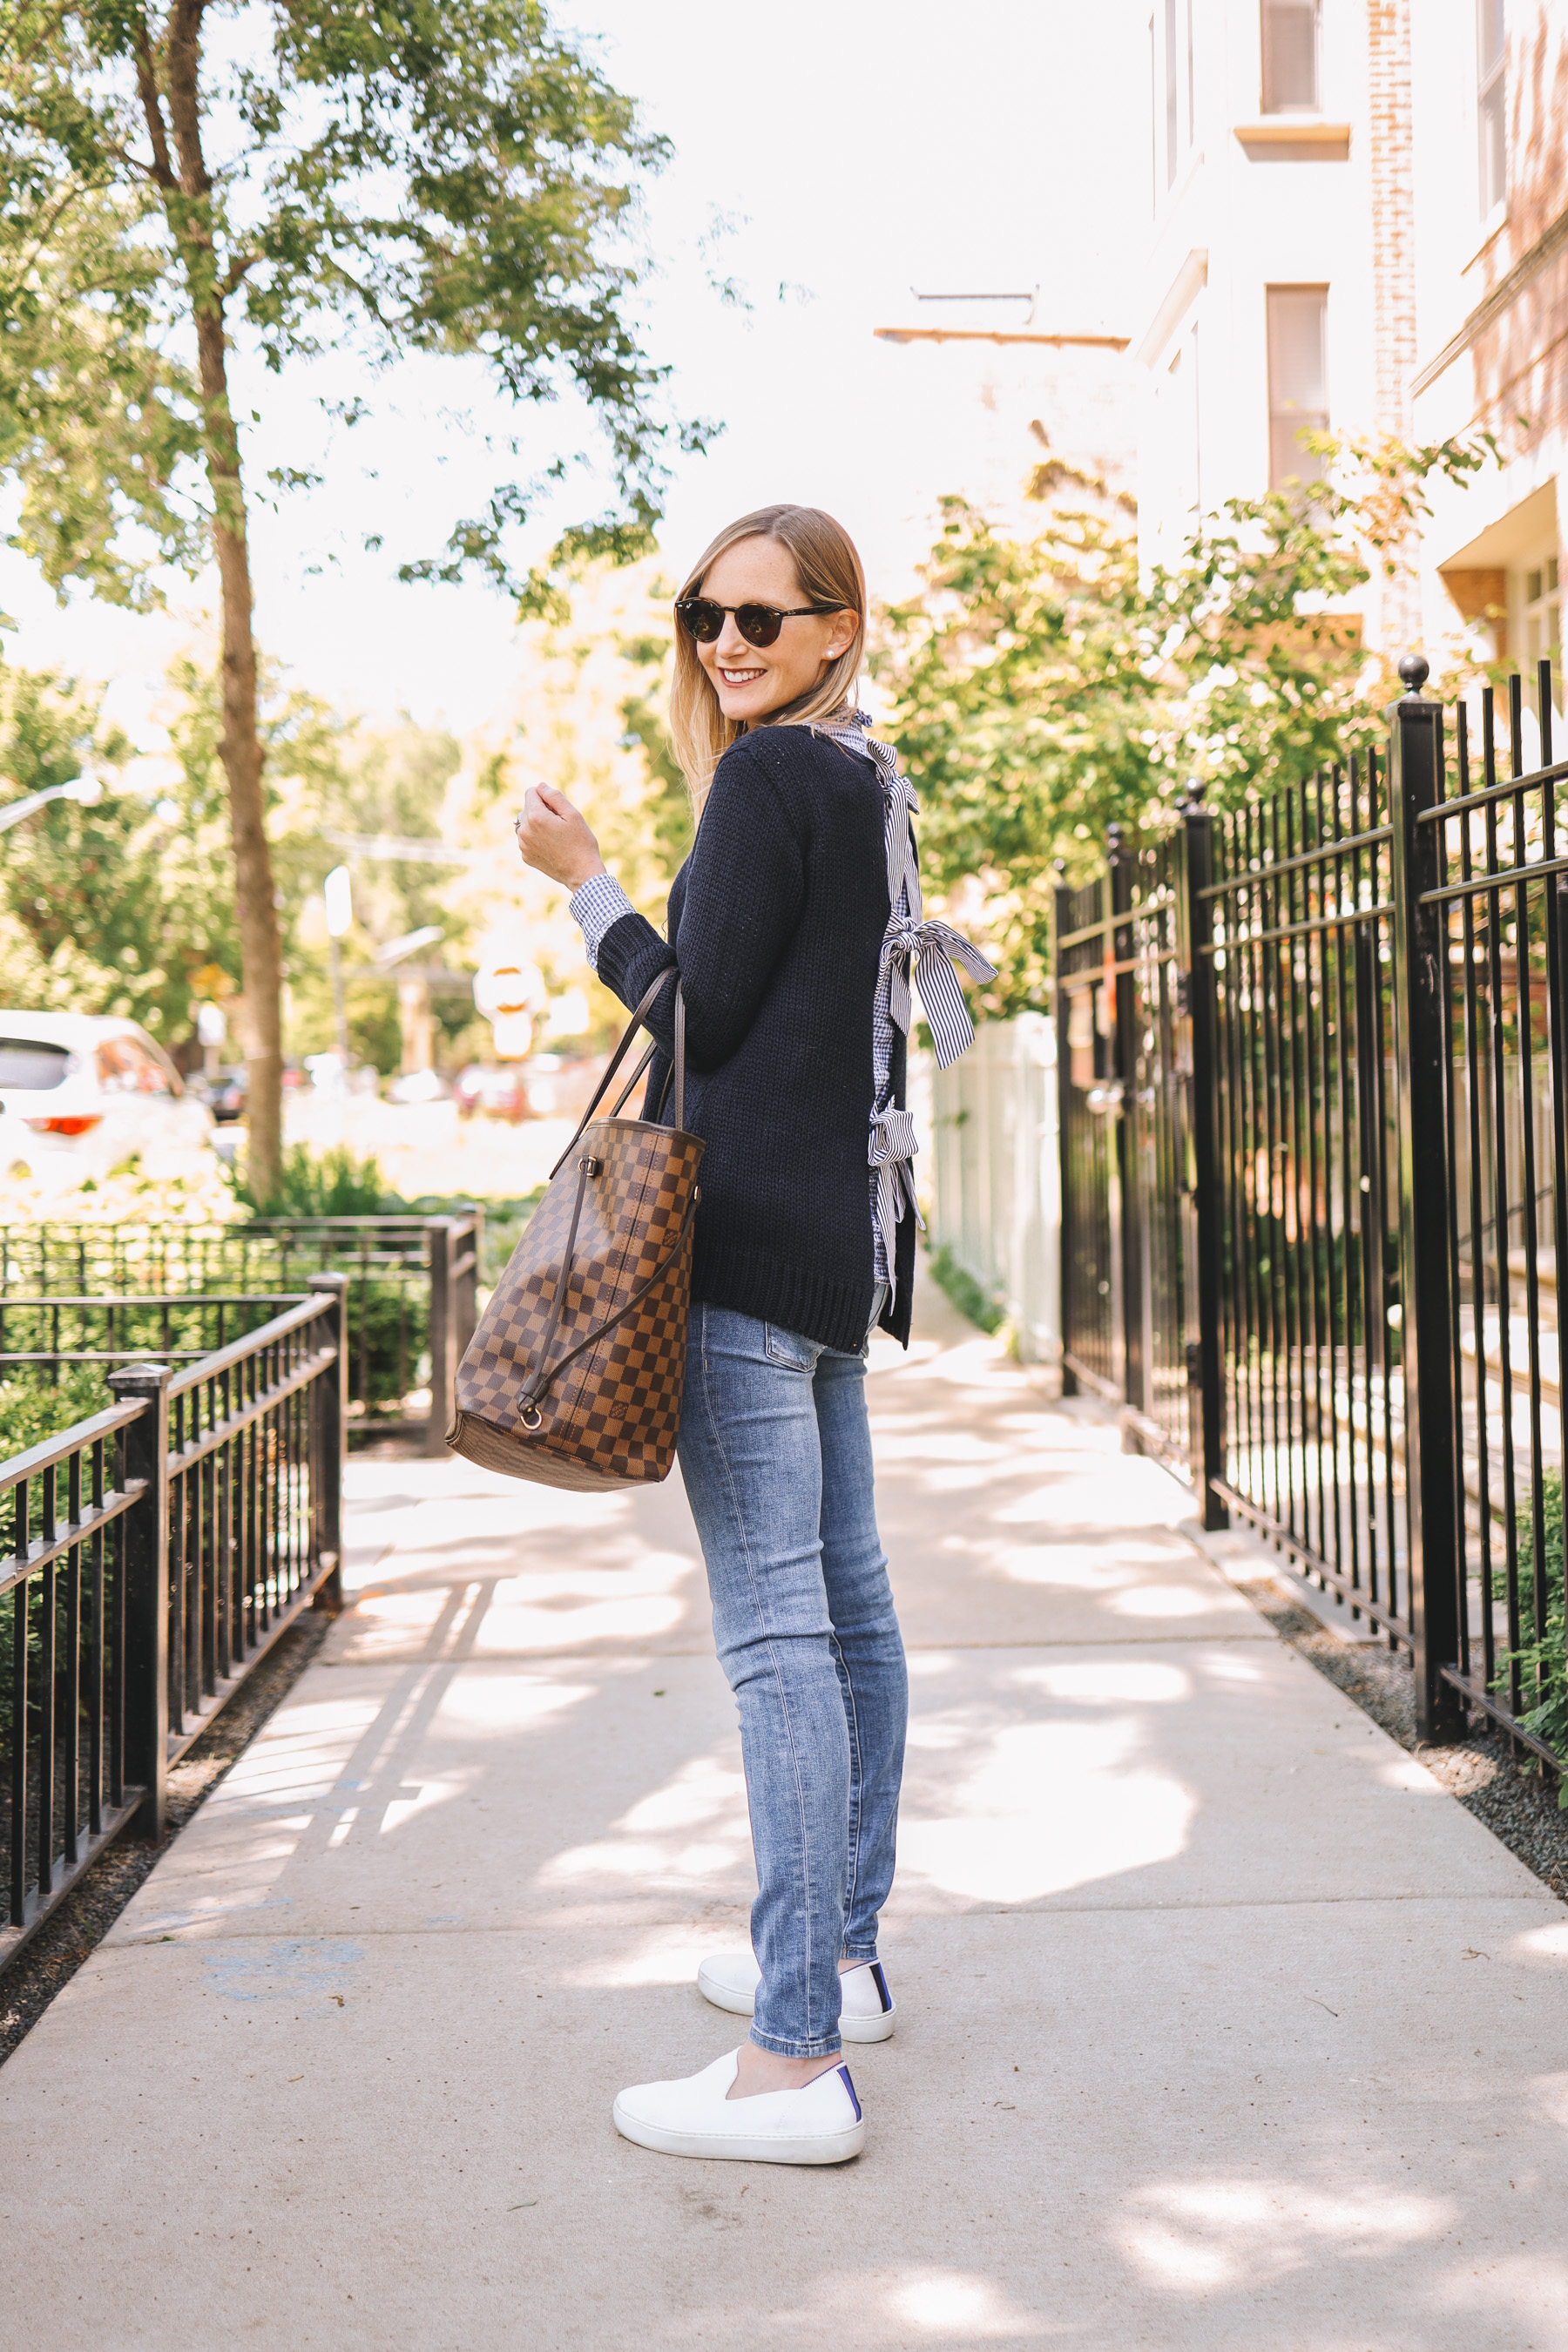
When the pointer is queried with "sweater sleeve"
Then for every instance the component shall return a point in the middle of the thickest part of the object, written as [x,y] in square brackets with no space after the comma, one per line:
[745,890]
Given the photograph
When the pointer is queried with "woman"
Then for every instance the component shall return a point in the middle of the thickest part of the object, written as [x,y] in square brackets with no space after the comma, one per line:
[793,927]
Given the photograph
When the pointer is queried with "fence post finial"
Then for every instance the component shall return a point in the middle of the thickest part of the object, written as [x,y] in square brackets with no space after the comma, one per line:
[1415,670]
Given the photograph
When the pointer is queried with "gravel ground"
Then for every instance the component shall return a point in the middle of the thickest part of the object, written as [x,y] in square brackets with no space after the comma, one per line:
[54,1955]
[1513,1796]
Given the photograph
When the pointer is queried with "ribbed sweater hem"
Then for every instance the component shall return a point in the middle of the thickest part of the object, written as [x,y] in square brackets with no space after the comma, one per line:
[799,1298]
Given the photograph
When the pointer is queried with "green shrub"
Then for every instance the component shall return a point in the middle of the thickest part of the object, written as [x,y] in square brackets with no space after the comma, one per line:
[393,1316]
[330,1183]
[1549,1657]
[964,1292]
[32,1409]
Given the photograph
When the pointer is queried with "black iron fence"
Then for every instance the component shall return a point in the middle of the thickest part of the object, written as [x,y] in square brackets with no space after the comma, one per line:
[1125,1130]
[155,1553]
[1315,1182]
[412,1297]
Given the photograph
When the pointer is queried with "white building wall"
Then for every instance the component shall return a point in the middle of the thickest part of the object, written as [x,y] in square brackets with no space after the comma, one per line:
[1485,540]
[1388,167]
[1246,213]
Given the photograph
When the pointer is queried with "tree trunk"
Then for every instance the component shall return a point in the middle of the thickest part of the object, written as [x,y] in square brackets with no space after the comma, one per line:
[239,745]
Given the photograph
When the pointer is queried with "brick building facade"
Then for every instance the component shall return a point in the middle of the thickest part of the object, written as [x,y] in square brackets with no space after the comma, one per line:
[1359,218]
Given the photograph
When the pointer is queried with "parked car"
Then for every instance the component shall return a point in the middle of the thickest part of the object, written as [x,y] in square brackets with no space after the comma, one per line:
[96,1087]
[547,1086]
[501,1093]
[224,1095]
[419,1086]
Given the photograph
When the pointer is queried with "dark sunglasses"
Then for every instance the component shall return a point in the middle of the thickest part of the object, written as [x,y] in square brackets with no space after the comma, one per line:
[760,625]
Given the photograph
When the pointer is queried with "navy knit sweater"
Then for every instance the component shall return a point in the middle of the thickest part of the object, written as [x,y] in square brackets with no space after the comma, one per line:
[775,926]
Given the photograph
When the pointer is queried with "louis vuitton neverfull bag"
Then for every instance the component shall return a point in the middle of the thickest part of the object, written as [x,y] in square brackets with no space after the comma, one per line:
[573,1377]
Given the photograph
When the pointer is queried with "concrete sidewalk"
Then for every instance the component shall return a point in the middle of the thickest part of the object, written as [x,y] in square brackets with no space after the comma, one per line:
[1220,2024]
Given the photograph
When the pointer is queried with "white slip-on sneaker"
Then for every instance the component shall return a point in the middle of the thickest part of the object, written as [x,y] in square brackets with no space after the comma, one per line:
[729,1980]
[819,2125]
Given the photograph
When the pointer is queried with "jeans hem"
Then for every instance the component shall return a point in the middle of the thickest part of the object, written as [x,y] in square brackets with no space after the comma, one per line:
[860,1958]
[781,2049]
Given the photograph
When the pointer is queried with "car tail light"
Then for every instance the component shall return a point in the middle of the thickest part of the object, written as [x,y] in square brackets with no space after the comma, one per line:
[64,1126]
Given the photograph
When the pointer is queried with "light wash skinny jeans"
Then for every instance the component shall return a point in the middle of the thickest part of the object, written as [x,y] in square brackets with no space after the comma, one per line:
[775,1450]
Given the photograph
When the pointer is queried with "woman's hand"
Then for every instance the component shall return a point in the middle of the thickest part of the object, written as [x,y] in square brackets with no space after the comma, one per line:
[554,840]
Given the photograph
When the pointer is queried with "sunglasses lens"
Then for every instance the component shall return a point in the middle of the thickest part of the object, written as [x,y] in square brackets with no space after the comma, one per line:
[758,624]
[700,619]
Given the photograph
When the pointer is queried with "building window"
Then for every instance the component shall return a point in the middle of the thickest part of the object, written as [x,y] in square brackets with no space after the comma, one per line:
[1172,66]
[1297,381]
[1540,609]
[1291,47]
[1491,95]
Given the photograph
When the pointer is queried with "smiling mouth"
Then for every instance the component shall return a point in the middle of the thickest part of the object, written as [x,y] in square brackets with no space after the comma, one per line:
[741,676]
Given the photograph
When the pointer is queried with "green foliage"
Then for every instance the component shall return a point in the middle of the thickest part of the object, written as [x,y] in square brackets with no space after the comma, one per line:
[1547,1657]
[1045,689]
[964,1292]
[99,414]
[664,815]
[458,181]
[389,1319]
[127,905]
[32,1407]
[330,1183]
[109,907]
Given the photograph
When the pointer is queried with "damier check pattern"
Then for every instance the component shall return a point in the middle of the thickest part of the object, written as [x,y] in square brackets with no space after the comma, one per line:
[610,1418]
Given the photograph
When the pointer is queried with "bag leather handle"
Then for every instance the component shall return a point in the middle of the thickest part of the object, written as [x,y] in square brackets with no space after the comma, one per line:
[633,1026]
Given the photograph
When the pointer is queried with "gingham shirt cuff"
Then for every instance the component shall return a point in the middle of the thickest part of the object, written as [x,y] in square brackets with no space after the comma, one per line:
[599,903]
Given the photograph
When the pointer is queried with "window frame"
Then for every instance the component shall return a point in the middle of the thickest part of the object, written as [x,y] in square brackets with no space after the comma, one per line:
[1540,617]
[1173,93]
[1310,418]
[1269,107]
[1492,113]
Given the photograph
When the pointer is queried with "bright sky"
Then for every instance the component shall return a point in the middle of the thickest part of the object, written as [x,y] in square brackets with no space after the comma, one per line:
[859,151]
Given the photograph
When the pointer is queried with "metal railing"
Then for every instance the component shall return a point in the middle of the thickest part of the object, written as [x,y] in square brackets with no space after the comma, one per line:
[1125,1142]
[1294,989]
[53,1331]
[155,1553]
[1314,1156]
[412,1291]
[1493,896]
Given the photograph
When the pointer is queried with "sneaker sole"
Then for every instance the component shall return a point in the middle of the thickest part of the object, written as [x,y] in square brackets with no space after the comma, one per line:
[850,2029]
[816,2148]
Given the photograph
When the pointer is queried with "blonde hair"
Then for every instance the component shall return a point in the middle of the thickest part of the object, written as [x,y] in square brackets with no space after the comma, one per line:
[829,573]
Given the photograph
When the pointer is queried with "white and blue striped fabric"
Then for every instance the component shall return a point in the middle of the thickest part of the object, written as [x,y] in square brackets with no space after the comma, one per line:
[912,948]
[598,905]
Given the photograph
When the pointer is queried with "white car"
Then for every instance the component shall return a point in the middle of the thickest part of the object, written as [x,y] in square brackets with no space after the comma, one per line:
[95,1088]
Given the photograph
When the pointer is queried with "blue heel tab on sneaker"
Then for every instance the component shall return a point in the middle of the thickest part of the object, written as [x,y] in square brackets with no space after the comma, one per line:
[881,1981]
[844,2076]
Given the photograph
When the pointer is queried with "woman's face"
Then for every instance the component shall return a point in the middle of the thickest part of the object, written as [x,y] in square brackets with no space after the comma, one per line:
[751,680]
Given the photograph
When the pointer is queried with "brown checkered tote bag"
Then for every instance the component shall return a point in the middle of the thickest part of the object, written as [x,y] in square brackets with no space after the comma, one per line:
[574,1374]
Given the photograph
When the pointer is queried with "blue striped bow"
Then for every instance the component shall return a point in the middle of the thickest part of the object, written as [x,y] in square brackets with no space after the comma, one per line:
[891,1149]
[911,944]
[913,950]
[924,948]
